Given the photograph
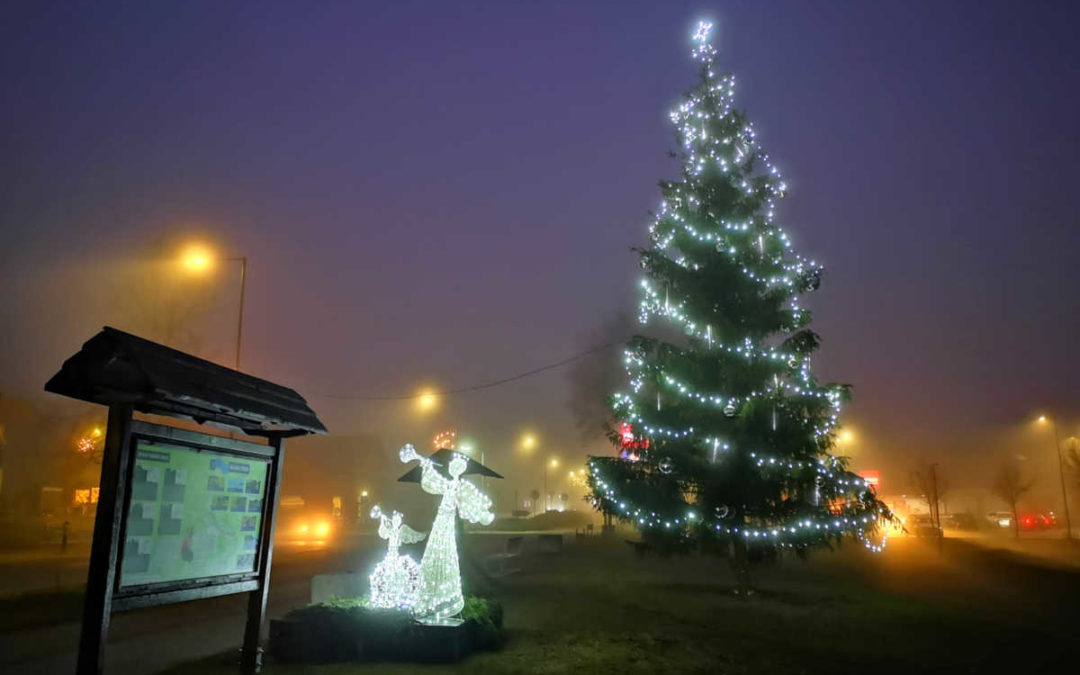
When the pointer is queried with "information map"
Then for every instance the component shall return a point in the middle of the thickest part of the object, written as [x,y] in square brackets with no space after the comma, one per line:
[194,513]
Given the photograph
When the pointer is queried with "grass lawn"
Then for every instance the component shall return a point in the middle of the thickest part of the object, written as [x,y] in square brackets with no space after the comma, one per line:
[602,609]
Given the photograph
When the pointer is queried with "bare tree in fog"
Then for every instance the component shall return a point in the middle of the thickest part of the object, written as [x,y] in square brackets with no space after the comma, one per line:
[1009,485]
[927,479]
[1072,457]
[597,376]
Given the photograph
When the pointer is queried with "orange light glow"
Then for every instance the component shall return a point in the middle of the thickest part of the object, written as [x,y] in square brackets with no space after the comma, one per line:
[197,258]
[427,400]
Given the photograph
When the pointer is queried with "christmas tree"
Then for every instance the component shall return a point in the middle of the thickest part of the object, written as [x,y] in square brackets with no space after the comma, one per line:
[724,431]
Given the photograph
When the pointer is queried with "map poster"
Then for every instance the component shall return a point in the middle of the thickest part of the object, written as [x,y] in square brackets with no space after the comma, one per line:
[193,514]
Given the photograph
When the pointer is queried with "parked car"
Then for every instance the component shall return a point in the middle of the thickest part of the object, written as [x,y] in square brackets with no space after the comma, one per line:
[1000,518]
[960,521]
[922,525]
[302,523]
[1037,521]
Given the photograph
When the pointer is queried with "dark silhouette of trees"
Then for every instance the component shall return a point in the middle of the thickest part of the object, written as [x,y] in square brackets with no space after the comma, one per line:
[1010,485]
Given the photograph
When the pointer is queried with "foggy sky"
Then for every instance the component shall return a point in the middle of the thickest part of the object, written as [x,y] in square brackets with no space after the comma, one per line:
[446,194]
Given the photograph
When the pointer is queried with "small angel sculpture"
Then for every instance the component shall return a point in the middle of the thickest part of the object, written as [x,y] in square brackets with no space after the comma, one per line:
[440,596]
[396,580]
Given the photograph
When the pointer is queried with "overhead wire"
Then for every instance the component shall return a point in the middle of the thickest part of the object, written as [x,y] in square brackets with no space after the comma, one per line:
[478,387]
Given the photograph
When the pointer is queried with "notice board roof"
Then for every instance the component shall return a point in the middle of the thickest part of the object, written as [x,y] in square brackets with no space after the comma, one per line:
[115,367]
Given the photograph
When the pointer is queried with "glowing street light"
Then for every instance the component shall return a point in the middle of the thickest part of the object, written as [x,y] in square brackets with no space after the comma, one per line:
[1043,419]
[198,259]
[427,400]
[553,463]
[528,441]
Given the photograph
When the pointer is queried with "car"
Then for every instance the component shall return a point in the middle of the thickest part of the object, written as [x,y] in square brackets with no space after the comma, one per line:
[922,525]
[303,524]
[1000,518]
[1037,521]
[960,521]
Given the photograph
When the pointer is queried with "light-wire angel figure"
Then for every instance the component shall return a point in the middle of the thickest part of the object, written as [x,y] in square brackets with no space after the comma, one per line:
[396,580]
[440,597]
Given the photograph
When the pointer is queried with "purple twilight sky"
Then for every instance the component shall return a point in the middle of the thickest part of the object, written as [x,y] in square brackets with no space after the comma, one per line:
[446,193]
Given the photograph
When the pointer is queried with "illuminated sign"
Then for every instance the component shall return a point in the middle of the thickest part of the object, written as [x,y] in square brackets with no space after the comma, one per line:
[872,478]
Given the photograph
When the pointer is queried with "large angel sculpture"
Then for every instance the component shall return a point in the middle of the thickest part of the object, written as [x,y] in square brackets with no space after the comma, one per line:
[440,597]
[396,580]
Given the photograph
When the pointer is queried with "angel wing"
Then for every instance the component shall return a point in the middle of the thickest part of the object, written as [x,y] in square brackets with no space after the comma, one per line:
[410,536]
[473,505]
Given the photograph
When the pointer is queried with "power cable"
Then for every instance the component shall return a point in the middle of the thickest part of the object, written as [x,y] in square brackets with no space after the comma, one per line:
[485,385]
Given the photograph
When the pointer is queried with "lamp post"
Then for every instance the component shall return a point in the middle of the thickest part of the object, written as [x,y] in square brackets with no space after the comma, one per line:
[554,463]
[240,314]
[1061,473]
[197,260]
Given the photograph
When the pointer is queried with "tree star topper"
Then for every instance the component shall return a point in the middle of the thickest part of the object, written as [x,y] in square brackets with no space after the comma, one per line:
[703,30]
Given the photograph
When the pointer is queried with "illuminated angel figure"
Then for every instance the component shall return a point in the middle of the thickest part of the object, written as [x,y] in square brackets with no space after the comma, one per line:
[396,580]
[440,596]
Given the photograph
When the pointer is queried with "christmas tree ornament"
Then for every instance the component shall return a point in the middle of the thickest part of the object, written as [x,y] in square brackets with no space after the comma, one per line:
[722,512]
[730,409]
[667,465]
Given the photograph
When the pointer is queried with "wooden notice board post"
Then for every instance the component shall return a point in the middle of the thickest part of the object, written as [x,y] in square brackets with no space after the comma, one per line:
[182,515]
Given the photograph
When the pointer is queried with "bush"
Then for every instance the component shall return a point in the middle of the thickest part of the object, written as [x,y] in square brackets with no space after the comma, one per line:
[351,630]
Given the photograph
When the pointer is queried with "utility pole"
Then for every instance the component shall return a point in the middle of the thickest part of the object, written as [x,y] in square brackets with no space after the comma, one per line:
[1061,474]
[240,318]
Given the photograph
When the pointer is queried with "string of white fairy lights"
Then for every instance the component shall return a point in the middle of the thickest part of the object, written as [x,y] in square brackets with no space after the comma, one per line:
[793,273]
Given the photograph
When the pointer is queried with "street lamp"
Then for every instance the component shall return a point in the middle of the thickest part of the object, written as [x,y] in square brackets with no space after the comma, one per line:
[198,259]
[427,400]
[554,463]
[468,447]
[1043,419]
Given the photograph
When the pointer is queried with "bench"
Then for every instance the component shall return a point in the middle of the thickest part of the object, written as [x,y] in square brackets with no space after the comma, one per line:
[502,564]
[549,543]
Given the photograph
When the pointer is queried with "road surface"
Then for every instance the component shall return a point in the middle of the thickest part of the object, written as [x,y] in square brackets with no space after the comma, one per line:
[150,640]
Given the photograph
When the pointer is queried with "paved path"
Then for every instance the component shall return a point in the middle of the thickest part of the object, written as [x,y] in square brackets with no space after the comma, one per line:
[150,640]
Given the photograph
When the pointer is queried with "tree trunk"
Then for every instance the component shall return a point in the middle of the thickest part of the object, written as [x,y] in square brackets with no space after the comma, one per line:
[740,565]
[1016,522]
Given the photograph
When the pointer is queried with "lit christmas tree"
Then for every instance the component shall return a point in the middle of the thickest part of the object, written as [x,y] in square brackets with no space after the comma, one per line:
[729,432]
